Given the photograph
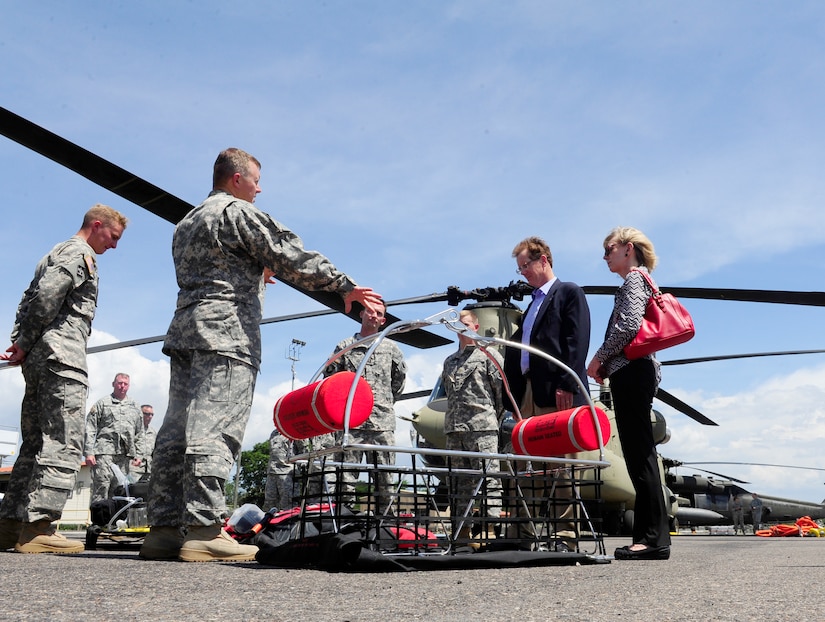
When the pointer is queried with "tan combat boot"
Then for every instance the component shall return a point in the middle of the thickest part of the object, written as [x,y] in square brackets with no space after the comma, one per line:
[212,544]
[161,543]
[42,537]
[9,532]
[463,540]
[483,538]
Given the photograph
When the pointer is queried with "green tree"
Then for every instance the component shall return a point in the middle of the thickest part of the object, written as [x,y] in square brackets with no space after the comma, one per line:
[252,480]
[230,493]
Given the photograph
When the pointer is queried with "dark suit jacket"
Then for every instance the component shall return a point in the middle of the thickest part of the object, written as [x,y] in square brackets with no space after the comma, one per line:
[562,330]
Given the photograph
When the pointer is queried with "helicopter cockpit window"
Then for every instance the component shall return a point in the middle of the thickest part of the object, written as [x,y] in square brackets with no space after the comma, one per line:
[438,391]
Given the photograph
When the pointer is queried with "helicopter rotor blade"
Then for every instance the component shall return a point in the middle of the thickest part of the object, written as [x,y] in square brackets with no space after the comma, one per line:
[670,463]
[414,300]
[270,320]
[674,402]
[156,200]
[726,357]
[412,395]
[722,475]
[811,299]
[93,167]
[417,338]
[106,347]
[761,464]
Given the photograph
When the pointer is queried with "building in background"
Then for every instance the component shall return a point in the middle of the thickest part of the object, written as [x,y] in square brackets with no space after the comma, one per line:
[76,510]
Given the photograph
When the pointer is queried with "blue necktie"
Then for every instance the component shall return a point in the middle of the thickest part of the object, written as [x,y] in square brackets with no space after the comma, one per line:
[527,327]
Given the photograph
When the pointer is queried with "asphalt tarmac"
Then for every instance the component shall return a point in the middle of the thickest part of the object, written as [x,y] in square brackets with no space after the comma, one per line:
[708,577]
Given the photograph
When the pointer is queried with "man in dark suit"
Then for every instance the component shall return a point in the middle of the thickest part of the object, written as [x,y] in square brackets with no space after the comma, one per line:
[557,322]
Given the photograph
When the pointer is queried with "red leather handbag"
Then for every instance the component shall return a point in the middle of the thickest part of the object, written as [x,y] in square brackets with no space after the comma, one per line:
[666,324]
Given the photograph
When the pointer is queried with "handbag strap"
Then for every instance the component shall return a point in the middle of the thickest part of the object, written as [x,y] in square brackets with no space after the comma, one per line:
[649,280]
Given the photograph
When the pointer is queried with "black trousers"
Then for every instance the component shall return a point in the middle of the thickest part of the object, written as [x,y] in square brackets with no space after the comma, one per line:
[633,388]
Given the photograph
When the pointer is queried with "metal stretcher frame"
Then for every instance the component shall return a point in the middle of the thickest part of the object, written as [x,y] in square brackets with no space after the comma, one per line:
[324,457]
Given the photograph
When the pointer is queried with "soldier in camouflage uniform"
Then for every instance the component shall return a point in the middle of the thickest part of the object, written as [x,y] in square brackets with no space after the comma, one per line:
[49,339]
[220,249]
[313,480]
[278,490]
[474,391]
[385,372]
[114,435]
[149,436]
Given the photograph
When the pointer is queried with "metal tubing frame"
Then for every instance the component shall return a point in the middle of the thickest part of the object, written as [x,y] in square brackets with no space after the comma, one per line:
[449,319]
[483,342]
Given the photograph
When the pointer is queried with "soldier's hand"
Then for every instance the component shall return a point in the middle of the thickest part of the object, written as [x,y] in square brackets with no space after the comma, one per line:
[90,460]
[14,355]
[365,296]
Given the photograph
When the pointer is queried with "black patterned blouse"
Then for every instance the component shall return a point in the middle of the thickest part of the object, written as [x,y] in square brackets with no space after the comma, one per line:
[628,311]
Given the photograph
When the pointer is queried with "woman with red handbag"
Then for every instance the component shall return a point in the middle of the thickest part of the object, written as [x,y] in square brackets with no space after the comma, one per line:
[633,383]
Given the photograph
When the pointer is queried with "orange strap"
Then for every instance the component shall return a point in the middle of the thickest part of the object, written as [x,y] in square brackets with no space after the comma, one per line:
[800,528]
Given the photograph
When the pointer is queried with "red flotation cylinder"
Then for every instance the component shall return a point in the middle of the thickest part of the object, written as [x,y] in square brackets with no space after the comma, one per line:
[563,432]
[318,408]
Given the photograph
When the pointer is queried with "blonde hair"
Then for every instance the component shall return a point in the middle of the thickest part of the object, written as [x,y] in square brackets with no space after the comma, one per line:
[642,246]
[105,214]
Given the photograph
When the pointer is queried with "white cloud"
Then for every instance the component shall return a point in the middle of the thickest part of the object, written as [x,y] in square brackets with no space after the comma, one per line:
[781,421]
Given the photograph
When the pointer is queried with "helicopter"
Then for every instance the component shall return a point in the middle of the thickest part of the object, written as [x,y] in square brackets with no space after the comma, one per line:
[171,208]
[691,500]
[711,492]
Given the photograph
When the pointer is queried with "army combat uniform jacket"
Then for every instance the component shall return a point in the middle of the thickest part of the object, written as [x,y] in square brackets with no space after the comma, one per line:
[53,323]
[54,318]
[385,372]
[220,250]
[474,391]
[115,427]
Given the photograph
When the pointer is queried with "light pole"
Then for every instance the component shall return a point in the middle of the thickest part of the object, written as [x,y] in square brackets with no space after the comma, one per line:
[294,355]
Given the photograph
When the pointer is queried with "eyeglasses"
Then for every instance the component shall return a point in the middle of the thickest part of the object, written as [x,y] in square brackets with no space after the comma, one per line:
[148,414]
[609,249]
[526,265]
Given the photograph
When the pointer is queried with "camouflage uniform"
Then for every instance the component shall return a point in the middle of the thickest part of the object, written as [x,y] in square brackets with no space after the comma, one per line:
[114,435]
[314,480]
[385,372]
[278,491]
[737,510]
[474,391]
[149,436]
[53,324]
[214,341]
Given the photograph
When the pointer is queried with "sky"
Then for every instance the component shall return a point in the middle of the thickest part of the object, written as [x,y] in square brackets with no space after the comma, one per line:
[416,143]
